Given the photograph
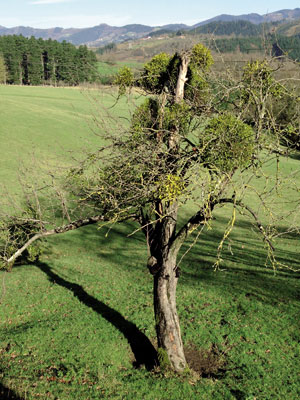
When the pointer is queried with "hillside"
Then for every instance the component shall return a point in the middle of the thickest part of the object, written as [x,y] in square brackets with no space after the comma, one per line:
[228,28]
[227,51]
[103,34]
[289,29]
[49,124]
[52,33]
[95,36]
[281,15]
[70,323]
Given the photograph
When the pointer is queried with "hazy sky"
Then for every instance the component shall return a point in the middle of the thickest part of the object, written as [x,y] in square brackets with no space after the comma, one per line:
[86,13]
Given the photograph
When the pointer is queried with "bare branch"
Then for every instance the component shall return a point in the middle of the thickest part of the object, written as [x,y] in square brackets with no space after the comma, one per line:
[62,229]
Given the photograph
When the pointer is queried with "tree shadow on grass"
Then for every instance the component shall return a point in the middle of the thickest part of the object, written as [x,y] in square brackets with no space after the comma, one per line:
[8,394]
[295,155]
[243,268]
[142,348]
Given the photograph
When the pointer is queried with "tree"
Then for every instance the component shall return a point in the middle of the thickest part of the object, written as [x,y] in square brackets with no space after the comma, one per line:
[86,61]
[187,142]
[11,47]
[35,61]
[3,70]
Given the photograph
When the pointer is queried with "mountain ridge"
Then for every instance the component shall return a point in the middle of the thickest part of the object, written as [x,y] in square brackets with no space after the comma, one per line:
[103,34]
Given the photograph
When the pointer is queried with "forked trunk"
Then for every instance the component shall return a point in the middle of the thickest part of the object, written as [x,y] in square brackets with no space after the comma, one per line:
[170,347]
[162,263]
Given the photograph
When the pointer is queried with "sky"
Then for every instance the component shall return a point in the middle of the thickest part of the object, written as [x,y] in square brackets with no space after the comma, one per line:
[87,13]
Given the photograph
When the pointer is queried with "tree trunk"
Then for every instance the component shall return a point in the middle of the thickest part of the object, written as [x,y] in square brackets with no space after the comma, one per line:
[162,264]
[170,347]
[181,81]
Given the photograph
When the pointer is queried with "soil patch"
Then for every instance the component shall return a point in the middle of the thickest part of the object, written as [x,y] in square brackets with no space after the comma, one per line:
[207,363]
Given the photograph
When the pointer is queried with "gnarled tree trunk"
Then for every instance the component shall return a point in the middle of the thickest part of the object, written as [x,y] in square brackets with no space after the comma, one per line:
[170,346]
[162,264]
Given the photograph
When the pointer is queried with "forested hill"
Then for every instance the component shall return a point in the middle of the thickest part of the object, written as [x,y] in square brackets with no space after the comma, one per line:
[238,28]
[242,36]
[36,61]
[279,46]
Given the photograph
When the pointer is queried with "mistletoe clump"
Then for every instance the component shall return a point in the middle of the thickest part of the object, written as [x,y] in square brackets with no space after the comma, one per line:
[227,143]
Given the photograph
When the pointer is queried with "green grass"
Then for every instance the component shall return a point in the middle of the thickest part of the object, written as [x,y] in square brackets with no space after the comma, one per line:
[59,334]
[108,70]
[50,124]
[68,324]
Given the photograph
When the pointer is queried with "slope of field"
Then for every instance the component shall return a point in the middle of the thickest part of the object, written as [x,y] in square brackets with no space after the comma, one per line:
[49,123]
[136,53]
[107,70]
[70,325]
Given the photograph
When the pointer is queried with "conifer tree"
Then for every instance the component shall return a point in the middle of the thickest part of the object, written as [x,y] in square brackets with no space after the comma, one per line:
[3,70]
[35,61]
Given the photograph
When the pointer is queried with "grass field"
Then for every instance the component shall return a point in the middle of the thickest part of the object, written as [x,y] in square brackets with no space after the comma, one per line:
[50,124]
[69,324]
[108,69]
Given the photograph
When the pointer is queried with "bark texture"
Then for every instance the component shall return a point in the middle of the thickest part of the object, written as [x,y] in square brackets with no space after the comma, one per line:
[182,77]
[166,317]
[162,264]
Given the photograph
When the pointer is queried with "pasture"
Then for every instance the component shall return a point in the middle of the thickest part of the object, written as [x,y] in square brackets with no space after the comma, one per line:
[50,124]
[107,69]
[70,323]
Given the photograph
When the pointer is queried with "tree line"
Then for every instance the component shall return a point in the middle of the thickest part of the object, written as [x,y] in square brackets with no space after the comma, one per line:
[279,46]
[31,61]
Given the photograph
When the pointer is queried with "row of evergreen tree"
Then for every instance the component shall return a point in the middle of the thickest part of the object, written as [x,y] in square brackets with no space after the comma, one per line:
[31,61]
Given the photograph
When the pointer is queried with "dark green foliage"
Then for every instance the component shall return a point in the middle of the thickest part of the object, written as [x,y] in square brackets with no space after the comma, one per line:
[3,71]
[244,45]
[241,28]
[106,49]
[287,46]
[178,116]
[153,78]
[86,64]
[280,45]
[161,32]
[35,61]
